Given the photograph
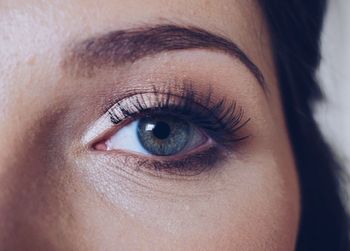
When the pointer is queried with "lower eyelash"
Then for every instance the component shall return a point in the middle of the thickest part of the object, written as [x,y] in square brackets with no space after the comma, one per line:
[191,165]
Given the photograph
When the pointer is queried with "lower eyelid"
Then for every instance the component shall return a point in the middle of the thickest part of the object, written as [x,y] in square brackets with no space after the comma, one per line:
[190,165]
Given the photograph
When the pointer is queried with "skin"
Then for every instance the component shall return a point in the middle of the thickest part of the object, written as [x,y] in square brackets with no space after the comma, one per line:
[55,194]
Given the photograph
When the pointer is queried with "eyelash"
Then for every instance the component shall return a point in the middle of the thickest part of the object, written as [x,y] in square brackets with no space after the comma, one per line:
[220,120]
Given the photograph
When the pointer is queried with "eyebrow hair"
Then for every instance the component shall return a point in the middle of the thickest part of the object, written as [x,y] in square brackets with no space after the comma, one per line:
[122,46]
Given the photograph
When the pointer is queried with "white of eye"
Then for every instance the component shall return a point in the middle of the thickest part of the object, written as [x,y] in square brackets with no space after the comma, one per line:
[126,139]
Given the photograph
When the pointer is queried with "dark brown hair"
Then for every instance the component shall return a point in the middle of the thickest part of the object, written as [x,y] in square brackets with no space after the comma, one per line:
[295,28]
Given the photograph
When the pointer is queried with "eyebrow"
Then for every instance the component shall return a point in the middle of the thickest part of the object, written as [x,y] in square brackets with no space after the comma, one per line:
[123,46]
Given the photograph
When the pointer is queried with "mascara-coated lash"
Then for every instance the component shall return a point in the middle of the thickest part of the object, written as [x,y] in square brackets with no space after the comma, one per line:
[220,120]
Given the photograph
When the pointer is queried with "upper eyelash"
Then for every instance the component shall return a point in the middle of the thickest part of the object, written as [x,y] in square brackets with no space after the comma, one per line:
[221,120]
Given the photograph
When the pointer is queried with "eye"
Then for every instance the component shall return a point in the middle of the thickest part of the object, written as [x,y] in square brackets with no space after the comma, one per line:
[159,135]
[178,131]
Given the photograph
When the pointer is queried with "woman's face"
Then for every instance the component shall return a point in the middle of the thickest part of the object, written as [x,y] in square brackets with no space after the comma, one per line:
[163,136]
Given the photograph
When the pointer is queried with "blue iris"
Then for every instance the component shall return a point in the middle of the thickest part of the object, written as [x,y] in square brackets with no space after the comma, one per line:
[163,135]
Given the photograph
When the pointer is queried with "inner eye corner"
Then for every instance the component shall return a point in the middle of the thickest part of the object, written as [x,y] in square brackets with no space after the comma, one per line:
[99,147]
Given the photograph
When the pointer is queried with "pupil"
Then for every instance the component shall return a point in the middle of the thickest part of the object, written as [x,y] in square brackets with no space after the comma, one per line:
[161,130]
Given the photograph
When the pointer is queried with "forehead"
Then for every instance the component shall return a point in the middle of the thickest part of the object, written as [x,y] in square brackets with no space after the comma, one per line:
[217,14]
[57,22]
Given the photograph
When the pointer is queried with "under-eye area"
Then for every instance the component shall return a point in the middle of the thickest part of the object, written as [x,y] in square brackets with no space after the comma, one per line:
[174,130]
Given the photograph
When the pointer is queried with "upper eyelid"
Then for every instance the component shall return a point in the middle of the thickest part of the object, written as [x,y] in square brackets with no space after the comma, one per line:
[119,109]
[182,94]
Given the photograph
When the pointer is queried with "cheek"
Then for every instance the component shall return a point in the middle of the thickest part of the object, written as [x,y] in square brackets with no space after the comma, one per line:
[249,206]
[256,210]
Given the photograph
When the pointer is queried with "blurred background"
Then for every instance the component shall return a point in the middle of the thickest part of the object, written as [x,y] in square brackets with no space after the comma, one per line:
[334,113]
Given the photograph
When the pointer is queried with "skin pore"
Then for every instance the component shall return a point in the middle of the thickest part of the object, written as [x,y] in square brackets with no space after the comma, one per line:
[57,192]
